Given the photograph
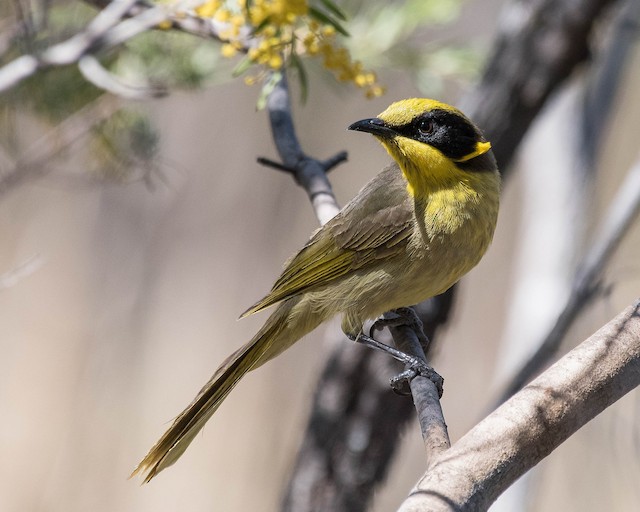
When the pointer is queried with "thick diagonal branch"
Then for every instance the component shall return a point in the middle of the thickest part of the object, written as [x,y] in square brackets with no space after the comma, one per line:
[528,427]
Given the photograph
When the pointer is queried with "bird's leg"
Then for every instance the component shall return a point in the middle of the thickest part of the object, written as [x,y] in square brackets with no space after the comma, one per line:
[408,317]
[403,357]
[415,365]
[402,316]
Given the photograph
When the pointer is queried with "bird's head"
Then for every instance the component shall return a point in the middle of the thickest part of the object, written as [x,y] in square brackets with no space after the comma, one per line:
[429,140]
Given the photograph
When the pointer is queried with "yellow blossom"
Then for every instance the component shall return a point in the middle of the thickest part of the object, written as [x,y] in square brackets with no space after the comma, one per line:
[286,26]
[222,15]
[375,92]
[208,9]
[275,61]
[328,30]
[228,50]
[237,20]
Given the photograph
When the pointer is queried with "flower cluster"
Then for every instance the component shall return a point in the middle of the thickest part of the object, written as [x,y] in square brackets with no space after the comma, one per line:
[273,33]
[321,40]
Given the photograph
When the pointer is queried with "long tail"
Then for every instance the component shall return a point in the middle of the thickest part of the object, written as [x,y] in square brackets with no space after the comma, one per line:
[283,328]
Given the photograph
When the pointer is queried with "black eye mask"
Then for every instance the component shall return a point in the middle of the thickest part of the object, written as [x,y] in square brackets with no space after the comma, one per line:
[454,136]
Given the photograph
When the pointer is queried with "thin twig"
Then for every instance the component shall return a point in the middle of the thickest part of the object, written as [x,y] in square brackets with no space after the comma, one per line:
[71,50]
[98,75]
[105,31]
[116,23]
[328,165]
[189,22]
[334,161]
[267,162]
[622,212]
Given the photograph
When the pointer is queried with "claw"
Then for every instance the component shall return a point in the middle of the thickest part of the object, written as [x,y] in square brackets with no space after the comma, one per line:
[400,382]
[415,366]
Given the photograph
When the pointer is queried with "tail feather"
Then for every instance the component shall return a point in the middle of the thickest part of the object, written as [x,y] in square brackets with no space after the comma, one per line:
[190,421]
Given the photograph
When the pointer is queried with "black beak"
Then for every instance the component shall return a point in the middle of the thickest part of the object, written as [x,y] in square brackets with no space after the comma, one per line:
[374,126]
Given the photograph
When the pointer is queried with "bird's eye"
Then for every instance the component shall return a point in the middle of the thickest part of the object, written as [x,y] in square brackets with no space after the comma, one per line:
[425,127]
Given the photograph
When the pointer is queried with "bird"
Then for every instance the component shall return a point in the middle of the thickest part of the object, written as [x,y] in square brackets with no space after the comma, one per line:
[411,233]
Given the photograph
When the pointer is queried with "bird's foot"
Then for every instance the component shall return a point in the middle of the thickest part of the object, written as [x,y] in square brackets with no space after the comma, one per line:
[415,366]
[400,383]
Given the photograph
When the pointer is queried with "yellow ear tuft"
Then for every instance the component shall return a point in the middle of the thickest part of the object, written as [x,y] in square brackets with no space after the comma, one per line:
[481,149]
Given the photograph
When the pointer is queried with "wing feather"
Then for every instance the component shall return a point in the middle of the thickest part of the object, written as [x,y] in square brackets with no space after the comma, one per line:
[362,234]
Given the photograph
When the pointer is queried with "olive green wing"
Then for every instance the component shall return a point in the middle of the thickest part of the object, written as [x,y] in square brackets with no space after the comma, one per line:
[374,226]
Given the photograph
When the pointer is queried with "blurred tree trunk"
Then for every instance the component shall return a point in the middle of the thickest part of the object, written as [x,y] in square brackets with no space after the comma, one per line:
[555,221]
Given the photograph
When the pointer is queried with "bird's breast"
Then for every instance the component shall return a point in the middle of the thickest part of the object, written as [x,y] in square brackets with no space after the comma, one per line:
[454,228]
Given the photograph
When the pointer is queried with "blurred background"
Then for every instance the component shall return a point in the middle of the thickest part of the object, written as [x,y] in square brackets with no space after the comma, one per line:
[121,281]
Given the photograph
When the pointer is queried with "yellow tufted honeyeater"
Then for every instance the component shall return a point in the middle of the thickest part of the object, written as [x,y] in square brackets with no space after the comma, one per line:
[410,233]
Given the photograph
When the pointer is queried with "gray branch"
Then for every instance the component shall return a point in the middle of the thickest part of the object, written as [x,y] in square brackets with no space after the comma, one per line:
[425,396]
[309,173]
[184,21]
[116,23]
[93,71]
[524,430]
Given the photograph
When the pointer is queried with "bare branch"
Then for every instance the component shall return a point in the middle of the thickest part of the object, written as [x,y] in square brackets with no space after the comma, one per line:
[328,164]
[131,27]
[309,173]
[624,209]
[98,75]
[425,396]
[72,49]
[184,21]
[496,452]
[17,70]
[105,31]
